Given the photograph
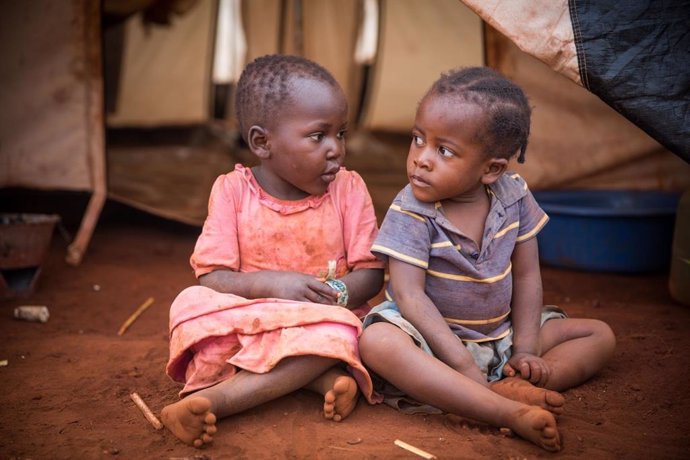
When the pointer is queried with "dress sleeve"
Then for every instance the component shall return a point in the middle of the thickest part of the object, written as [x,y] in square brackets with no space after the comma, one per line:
[217,246]
[404,236]
[532,218]
[359,224]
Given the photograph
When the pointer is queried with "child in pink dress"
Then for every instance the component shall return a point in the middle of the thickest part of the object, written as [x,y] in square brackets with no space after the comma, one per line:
[283,260]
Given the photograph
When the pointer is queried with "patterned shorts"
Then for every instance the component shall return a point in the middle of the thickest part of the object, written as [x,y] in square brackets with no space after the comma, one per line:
[490,356]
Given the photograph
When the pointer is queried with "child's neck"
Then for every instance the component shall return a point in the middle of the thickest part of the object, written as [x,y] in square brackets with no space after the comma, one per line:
[468,213]
[277,188]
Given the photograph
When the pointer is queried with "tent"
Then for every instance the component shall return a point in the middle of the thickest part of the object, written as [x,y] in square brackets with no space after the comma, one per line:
[601,118]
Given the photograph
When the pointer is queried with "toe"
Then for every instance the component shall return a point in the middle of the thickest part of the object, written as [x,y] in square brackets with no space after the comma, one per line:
[199,405]
[550,432]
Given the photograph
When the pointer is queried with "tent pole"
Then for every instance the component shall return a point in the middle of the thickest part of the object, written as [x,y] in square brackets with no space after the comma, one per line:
[95,120]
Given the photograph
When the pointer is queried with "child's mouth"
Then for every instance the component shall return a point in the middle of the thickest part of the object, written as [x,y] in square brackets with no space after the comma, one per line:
[418,181]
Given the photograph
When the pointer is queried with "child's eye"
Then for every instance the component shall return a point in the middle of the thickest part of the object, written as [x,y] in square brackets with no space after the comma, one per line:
[416,140]
[341,134]
[444,152]
[318,137]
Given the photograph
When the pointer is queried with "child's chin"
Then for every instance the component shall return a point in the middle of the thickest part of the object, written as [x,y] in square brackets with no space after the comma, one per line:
[422,196]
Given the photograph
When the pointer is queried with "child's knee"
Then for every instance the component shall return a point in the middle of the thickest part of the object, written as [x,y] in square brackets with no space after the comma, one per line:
[604,334]
[376,341]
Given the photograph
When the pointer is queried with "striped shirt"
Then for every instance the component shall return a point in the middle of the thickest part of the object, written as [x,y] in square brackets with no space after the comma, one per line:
[471,287]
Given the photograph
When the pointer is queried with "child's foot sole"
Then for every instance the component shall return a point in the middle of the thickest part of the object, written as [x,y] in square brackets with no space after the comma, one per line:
[190,420]
[341,400]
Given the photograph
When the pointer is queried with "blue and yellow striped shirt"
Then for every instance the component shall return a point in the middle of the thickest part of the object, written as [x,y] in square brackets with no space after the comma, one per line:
[471,286]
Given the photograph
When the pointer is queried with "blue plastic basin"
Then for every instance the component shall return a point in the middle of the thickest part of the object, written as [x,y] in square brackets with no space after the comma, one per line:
[607,230]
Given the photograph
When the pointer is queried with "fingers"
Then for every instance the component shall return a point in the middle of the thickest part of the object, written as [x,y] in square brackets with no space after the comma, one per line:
[508,370]
[535,374]
[326,296]
[322,293]
[538,373]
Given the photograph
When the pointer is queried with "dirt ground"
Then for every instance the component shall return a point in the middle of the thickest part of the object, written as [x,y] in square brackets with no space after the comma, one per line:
[65,390]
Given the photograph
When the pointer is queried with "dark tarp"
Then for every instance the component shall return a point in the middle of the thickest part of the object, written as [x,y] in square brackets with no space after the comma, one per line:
[635,55]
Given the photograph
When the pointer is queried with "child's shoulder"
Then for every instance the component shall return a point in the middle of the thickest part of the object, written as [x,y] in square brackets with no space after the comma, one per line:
[510,188]
[347,180]
[240,178]
[239,174]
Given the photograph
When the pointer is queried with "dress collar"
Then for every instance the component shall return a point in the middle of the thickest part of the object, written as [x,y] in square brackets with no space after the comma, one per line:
[276,204]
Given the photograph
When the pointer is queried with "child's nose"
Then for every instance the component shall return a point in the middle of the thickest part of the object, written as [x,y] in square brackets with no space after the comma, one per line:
[336,149]
[424,159]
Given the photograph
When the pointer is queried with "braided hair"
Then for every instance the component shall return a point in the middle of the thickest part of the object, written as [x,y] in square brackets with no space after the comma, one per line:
[264,87]
[505,104]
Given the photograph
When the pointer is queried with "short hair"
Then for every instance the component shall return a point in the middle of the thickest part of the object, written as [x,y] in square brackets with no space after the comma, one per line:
[264,87]
[507,110]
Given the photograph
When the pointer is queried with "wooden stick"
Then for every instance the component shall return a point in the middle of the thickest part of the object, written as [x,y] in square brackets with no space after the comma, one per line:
[414,450]
[146,411]
[135,315]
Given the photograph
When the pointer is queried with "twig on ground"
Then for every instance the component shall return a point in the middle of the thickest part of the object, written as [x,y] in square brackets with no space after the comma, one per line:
[146,411]
[135,315]
[414,449]
[343,448]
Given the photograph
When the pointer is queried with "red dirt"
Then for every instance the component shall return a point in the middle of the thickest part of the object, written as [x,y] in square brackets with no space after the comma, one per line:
[65,390]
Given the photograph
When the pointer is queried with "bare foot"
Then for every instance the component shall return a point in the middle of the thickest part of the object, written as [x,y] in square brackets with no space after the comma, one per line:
[339,401]
[340,393]
[523,391]
[537,425]
[191,420]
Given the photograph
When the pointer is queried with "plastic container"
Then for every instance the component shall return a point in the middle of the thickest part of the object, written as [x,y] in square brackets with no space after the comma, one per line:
[608,230]
[679,277]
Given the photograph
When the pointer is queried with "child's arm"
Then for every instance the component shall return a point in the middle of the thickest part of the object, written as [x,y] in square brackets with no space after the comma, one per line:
[265,284]
[362,285]
[419,310]
[526,315]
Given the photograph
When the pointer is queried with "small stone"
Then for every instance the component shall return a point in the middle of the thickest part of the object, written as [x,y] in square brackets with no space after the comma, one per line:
[354,441]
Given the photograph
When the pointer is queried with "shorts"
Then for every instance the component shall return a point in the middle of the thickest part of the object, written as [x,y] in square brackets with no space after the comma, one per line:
[490,356]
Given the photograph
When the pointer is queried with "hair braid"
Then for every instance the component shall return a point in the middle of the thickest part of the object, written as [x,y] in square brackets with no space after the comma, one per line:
[507,109]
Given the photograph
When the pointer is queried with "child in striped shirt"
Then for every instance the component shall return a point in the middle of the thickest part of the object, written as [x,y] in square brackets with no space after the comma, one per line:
[463,328]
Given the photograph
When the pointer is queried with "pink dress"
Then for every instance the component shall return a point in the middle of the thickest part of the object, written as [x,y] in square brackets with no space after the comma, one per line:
[213,334]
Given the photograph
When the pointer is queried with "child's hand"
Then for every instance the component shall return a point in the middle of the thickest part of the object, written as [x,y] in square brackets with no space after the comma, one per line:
[298,286]
[529,367]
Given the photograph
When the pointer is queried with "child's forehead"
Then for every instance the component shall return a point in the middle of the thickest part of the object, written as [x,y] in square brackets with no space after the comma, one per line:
[310,94]
[449,107]
[307,86]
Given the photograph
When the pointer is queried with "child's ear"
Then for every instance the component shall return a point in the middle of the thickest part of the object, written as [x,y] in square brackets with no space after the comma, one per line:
[257,140]
[493,169]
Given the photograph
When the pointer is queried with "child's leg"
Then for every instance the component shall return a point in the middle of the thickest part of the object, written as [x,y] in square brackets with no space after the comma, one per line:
[575,350]
[193,418]
[339,390]
[392,354]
